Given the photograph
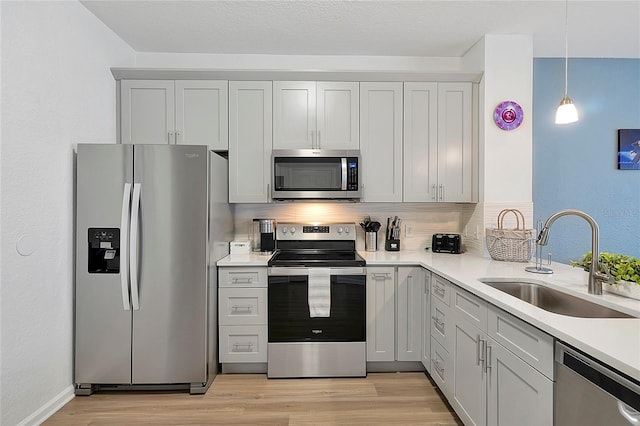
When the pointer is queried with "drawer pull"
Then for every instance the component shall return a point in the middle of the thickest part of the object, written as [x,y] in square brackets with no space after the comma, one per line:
[439,290]
[438,324]
[242,347]
[237,308]
[439,368]
[381,275]
[243,280]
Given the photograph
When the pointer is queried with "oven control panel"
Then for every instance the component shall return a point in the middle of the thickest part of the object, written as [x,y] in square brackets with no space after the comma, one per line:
[325,231]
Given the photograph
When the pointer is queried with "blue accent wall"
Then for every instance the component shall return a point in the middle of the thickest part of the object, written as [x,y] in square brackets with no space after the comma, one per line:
[575,165]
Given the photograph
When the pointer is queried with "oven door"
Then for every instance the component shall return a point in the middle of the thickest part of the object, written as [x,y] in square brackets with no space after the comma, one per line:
[288,307]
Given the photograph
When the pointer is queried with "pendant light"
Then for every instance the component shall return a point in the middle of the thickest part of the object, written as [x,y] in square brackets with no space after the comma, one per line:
[566,112]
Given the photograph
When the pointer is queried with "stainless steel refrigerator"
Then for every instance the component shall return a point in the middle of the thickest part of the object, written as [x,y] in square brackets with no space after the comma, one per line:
[151,221]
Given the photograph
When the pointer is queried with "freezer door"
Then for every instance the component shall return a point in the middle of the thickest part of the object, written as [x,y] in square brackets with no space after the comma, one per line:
[171,254]
[102,323]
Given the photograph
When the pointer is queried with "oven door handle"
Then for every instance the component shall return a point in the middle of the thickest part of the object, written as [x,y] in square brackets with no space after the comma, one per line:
[292,270]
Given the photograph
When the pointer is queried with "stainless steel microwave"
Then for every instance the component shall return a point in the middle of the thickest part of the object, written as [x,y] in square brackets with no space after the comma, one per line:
[315,174]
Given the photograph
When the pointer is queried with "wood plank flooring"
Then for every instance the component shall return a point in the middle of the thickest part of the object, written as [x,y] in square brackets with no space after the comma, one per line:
[252,399]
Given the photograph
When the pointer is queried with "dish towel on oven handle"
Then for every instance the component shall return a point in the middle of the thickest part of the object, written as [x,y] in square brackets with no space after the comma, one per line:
[319,292]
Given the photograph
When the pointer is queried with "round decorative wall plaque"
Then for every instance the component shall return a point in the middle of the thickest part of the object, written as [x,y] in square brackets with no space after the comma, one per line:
[508,115]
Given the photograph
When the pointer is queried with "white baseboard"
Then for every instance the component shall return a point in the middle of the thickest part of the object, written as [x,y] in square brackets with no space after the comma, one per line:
[48,409]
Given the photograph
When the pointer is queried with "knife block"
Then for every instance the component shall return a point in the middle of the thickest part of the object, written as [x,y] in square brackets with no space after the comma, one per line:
[392,245]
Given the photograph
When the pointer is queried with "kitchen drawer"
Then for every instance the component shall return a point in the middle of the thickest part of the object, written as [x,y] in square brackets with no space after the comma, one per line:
[441,289]
[470,307]
[242,306]
[442,323]
[242,277]
[243,343]
[532,345]
[441,368]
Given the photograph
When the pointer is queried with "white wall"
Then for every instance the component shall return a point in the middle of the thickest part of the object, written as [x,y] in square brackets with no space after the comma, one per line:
[57,90]
[505,157]
[507,154]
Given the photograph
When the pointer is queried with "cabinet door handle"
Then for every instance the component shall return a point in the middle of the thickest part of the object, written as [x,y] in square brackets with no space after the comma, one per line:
[478,357]
[319,143]
[171,137]
[178,135]
[441,192]
[433,191]
[483,352]
[487,363]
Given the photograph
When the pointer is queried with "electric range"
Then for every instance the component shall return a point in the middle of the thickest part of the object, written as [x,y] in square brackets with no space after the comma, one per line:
[316,303]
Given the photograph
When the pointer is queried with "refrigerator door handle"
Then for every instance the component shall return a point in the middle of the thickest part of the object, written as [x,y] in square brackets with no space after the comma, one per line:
[133,246]
[124,249]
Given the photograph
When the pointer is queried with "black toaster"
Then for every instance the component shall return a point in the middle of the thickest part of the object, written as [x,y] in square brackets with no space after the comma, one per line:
[446,243]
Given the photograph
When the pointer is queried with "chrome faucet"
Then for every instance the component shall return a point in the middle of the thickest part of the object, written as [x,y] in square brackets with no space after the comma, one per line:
[595,276]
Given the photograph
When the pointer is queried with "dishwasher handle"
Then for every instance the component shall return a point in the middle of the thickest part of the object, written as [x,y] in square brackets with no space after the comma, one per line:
[630,415]
[625,389]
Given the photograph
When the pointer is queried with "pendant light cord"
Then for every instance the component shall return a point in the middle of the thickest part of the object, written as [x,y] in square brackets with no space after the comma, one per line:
[566,48]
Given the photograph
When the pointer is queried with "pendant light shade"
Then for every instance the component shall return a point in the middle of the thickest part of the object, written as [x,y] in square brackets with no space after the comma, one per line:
[566,112]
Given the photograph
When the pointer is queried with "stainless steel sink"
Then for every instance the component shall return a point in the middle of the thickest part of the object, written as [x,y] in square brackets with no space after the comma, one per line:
[553,300]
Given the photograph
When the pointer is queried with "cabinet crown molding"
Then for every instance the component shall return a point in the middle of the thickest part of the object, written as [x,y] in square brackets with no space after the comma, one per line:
[288,75]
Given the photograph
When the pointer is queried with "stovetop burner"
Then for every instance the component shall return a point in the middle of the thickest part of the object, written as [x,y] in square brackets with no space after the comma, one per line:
[327,245]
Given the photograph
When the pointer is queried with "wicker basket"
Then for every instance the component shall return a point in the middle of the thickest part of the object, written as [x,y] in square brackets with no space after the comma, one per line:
[512,245]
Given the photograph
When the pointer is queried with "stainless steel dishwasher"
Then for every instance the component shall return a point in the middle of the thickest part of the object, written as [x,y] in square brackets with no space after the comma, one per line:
[588,392]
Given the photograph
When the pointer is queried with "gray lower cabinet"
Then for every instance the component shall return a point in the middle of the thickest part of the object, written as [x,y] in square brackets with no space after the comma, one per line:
[441,335]
[394,313]
[381,313]
[489,383]
[426,321]
[242,315]
[517,394]
[409,290]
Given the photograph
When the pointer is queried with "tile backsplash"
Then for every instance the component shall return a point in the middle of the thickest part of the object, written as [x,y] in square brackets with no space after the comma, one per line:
[419,220]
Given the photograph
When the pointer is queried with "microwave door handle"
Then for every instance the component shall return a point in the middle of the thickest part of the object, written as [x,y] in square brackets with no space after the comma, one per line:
[343,161]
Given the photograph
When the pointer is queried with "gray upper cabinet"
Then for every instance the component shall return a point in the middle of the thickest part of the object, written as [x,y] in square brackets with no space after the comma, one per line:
[381,141]
[438,142]
[147,111]
[189,112]
[249,141]
[315,115]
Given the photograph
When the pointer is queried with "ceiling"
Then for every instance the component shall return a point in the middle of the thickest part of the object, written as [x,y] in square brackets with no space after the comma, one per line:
[423,28]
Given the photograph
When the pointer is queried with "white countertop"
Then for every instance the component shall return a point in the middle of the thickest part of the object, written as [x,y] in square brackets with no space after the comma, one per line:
[615,341]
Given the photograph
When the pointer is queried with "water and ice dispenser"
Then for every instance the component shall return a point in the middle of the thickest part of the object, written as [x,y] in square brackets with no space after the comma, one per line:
[104,250]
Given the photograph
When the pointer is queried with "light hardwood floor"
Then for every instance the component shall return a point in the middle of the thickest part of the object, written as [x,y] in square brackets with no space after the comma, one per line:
[252,399]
